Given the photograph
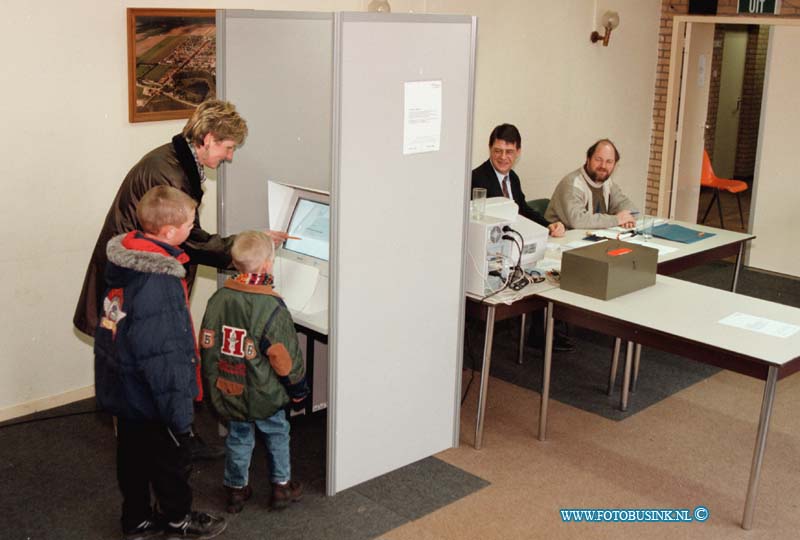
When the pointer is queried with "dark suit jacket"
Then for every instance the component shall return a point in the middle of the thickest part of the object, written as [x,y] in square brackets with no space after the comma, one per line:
[485,177]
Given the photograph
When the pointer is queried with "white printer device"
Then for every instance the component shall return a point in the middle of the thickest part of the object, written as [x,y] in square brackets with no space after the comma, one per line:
[491,251]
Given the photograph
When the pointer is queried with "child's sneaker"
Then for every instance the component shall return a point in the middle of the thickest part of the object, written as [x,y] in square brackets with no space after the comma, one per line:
[146,529]
[198,525]
[237,497]
[283,494]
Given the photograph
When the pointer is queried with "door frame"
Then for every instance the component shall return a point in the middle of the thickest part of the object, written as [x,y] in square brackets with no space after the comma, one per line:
[671,131]
[695,87]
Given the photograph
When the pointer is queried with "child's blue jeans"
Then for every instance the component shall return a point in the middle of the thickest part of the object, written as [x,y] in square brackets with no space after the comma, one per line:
[240,443]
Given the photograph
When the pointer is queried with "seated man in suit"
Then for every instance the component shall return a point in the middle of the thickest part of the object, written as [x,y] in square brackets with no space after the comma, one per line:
[496,175]
[587,198]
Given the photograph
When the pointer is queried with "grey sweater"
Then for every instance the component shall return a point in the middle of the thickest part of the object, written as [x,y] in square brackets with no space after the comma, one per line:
[571,203]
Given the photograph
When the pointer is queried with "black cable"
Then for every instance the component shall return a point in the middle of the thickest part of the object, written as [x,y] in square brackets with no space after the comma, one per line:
[520,244]
[42,419]
[506,228]
[504,287]
[469,347]
[509,237]
[514,283]
[472,359]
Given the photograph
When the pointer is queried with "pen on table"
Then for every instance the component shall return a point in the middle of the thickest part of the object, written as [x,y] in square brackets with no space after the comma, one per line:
[293,237]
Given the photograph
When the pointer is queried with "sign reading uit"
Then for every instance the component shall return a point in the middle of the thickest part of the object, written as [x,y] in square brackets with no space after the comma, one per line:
[757,6]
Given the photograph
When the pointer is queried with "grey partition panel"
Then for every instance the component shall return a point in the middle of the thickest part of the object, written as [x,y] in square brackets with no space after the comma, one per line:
[398,233]
[277,68]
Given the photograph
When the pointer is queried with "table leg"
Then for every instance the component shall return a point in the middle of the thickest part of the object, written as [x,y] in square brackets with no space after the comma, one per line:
[737,267]
[626,378]
[487,360]
[521,338]
[548,357]
[614,364]
[637,353]
[761,443]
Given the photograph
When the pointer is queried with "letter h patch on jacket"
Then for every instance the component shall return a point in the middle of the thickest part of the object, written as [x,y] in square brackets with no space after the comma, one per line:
[233,341]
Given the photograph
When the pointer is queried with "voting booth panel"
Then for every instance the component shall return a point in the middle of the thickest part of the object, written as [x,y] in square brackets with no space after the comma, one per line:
[341,103]
[277,68]
[401,178]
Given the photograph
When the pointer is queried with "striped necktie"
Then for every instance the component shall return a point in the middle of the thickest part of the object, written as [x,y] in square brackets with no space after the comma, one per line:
[506,191]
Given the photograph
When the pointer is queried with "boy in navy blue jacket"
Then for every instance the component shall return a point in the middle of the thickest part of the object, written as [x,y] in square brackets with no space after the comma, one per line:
[146,369]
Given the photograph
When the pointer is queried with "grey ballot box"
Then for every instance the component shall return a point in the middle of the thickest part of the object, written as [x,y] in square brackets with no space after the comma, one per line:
[608,269]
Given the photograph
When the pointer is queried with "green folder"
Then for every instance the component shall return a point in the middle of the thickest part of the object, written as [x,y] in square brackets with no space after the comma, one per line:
[679,233]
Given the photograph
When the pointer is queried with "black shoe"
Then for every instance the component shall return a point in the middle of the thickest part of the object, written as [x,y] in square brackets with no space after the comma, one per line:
[237,497]
[198,525]
[146,529]
[284,494]
[561,343]
[200,450]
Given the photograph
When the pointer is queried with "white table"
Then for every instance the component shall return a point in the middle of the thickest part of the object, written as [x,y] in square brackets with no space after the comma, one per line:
[509,304]
[499,307]
[722,245]
[683,318]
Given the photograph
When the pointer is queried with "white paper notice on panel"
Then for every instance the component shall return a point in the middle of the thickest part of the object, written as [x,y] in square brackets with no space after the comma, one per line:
[398,229]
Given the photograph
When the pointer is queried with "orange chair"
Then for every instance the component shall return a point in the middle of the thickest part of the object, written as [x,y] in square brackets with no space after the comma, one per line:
[710,180]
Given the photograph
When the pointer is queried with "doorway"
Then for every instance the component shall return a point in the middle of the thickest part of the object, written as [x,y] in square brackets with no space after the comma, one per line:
[774,202]
[718,104]
[733,119]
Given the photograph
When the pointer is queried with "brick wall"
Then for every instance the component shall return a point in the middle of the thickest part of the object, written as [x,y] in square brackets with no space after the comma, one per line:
[669,9]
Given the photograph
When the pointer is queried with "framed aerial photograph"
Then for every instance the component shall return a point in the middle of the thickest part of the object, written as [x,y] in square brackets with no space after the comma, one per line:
[172,62]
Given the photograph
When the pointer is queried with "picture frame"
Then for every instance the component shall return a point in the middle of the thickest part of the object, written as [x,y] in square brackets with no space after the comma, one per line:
[171,62]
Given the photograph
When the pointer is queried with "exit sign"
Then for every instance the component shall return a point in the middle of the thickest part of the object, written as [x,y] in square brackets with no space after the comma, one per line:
[757,6]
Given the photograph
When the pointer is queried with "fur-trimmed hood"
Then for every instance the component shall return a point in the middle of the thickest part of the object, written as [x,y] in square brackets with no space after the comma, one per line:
[145,349]
[134,252]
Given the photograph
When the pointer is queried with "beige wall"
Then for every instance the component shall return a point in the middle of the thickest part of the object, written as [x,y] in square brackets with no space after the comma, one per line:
[67,142]
[537,69]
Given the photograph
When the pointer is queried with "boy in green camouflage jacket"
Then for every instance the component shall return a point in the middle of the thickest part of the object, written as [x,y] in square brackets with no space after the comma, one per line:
[252,369]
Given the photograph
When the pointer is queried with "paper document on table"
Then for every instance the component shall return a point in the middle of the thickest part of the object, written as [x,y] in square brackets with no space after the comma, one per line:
[612,234]
[662,249]
[639,225]
[760,324]
[576,244]
[546,264]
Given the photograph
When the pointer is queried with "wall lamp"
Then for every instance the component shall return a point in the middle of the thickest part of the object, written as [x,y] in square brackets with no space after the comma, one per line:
[379,6]
[610,22]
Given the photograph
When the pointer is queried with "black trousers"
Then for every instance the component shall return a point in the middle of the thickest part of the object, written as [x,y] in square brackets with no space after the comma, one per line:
[537,326]
[150,456]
